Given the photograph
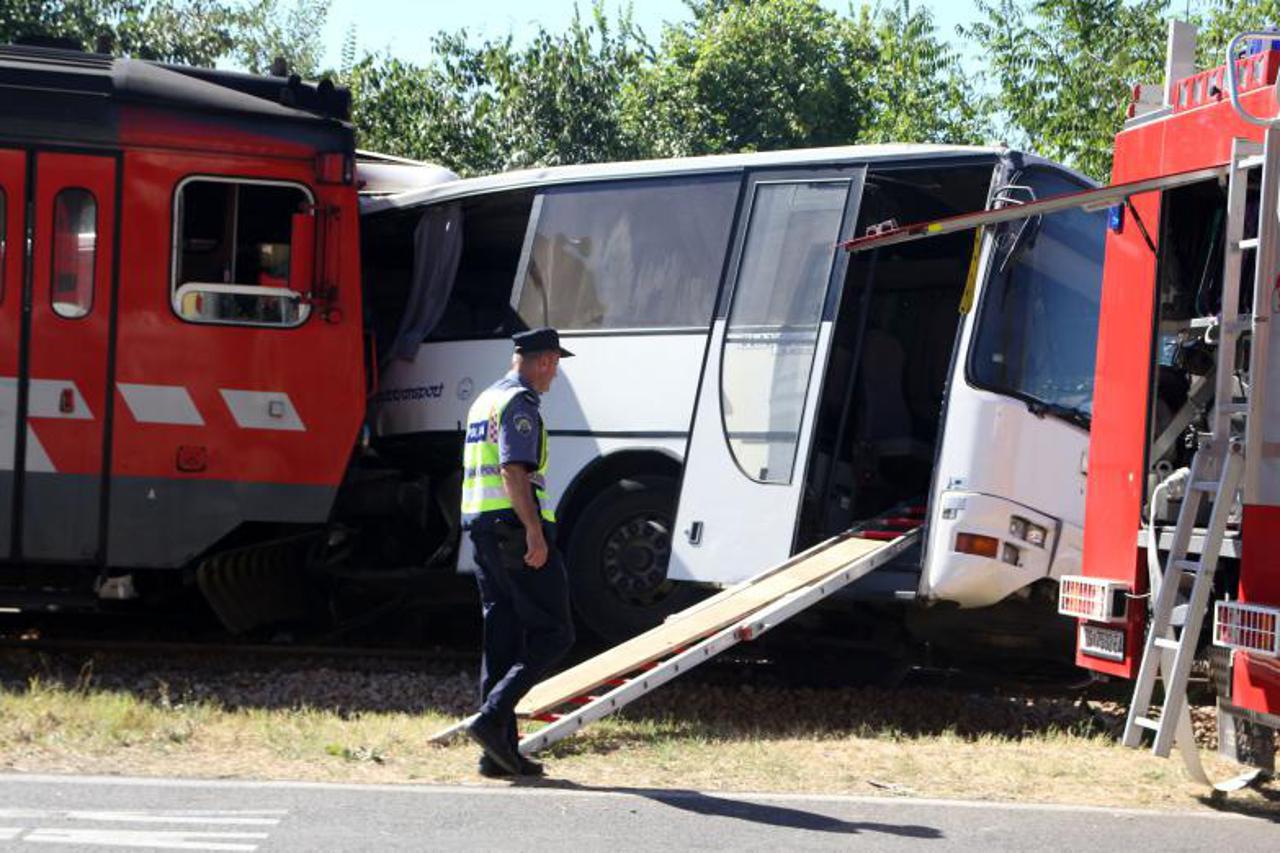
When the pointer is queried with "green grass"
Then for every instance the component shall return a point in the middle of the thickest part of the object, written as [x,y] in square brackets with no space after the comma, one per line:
[50,727]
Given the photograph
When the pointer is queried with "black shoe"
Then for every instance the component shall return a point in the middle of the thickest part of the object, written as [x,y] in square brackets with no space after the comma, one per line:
[491,770]
[494,742]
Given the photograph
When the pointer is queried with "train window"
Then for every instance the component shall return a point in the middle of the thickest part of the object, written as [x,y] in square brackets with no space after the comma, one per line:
[627,255]
[75,252]
[233,247]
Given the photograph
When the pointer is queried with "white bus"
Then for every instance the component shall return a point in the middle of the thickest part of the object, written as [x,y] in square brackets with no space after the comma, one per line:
[744,387]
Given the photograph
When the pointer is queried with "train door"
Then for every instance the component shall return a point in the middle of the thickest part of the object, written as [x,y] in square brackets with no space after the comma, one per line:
[64,384]
[753,422]
[13,178]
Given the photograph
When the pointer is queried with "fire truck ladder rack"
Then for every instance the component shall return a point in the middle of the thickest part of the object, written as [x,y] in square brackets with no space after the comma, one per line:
[1216,473]
[573,699]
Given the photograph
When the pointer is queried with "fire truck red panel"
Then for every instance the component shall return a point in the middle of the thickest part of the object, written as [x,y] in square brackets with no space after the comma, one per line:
[1190,139]
[72,263]
[1256,678]
[1118,435]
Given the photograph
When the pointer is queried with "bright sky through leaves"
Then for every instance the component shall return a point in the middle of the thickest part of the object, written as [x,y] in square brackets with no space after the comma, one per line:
[405,27]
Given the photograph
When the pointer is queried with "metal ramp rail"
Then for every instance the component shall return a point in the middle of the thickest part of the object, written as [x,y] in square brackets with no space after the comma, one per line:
[610,681]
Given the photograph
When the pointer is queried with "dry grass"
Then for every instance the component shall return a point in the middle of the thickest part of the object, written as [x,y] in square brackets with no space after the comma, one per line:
[51,727]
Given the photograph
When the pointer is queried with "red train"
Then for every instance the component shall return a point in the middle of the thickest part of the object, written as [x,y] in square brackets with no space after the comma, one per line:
[170,391]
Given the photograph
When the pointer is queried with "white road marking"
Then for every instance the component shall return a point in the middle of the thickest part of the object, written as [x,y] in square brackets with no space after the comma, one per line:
[224,818]
[160,839]
[157,839]
[251,816]
[160,404]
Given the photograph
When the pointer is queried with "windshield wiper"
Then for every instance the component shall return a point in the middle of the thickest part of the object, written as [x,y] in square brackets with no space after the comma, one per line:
[1021,242]
[1070,414]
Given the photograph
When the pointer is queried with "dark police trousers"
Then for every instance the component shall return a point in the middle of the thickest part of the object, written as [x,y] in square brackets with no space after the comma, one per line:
[527,623]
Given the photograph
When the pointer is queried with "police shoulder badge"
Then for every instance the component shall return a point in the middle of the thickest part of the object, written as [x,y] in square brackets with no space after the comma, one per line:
[523,424]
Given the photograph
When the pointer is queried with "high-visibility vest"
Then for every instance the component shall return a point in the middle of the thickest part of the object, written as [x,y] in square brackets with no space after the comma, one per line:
[482,489]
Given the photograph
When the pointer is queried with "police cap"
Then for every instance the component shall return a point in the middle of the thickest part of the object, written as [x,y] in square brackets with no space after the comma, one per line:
[544,339]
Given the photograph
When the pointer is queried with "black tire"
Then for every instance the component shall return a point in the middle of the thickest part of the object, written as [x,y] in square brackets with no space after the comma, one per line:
[617,558]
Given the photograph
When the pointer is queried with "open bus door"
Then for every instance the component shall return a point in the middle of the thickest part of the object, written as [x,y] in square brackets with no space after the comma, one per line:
[13,178]
[762,377]
[62,399]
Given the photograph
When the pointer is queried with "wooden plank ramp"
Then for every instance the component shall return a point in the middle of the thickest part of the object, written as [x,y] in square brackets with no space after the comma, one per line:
[701,620]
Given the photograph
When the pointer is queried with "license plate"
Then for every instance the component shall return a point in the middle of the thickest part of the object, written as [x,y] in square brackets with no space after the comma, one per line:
[1099,642]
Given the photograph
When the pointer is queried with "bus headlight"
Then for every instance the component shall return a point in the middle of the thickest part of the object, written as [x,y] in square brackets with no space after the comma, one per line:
[1032,534]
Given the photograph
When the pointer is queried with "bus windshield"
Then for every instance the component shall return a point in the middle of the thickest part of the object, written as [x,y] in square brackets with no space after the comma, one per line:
[1037,323]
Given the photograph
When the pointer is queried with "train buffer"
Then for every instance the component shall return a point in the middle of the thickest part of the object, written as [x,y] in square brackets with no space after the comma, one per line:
[610,681]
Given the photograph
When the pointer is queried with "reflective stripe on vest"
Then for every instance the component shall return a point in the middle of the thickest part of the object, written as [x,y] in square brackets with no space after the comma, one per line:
[482,489]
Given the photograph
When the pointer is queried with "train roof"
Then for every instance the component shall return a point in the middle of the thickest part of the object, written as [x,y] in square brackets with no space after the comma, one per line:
[713,164]
[40,81]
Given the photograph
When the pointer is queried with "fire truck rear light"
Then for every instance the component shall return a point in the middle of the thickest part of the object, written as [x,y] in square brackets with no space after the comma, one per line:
[66,401]
[1095,599]
[981,546]
[1249,627]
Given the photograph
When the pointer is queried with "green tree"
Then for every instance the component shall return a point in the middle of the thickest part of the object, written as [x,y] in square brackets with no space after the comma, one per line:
[1221,20]
[746,75]
[756,75]
[918,90]
[489,106]
[189,32]
[194,32]
[1065,70]
[555,100]
[420,112]
[267,31]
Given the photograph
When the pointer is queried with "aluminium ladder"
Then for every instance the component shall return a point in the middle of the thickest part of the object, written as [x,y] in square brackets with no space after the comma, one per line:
[598,687]
[1216,474]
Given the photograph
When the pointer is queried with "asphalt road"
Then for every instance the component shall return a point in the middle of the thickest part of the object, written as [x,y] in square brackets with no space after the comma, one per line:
[77,813]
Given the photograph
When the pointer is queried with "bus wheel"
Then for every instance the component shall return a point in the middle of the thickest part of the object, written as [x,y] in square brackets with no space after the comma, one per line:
[617,559]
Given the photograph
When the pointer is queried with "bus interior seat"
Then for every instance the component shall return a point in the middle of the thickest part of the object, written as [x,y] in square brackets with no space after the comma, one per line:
[884,428]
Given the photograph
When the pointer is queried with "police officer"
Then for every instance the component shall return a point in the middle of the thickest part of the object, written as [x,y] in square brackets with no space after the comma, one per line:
[524,591]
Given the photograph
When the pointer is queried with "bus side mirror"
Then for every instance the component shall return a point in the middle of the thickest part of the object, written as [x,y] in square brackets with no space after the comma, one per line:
[302,253]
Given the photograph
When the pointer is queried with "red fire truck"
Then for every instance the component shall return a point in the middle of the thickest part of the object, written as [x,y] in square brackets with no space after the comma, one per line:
[167,389]
[1182,523]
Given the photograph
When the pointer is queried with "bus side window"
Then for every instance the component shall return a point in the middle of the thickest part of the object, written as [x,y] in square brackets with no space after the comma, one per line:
[75,252]
[479,303]
[629,254]
[232,252]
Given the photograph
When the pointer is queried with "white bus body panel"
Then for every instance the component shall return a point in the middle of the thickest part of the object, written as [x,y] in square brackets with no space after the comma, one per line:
[619,392]
[1037,474]
[642,385]
[569,455]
